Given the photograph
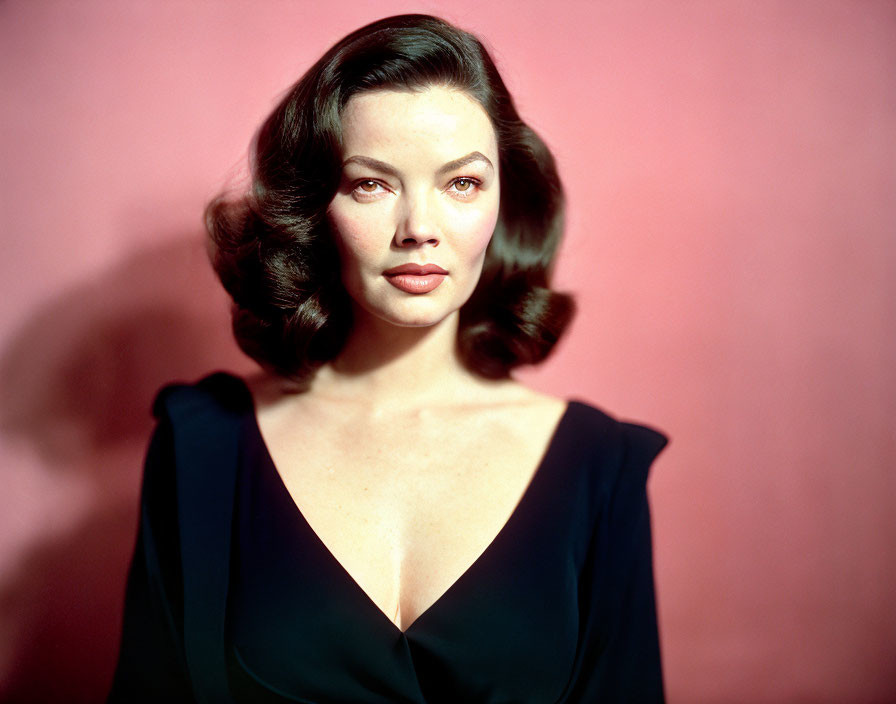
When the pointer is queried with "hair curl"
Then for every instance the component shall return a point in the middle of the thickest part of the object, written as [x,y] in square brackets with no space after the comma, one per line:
[272,248]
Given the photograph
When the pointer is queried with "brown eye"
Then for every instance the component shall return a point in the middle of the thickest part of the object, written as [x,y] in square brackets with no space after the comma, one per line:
[463,184]
[368,186]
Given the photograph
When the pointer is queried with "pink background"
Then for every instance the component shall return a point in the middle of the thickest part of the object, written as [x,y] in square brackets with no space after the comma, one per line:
[731,171]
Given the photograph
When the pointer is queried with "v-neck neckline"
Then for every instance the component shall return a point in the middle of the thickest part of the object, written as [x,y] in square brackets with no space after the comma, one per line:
[537,477]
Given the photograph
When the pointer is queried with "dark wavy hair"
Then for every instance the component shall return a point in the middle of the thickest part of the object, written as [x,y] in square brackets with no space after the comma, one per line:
[272,247]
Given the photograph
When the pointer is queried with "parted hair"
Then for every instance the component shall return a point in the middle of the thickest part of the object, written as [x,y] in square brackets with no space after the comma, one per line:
[272,248]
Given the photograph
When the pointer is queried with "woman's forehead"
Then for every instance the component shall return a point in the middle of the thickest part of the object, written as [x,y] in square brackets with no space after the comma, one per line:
[438,121]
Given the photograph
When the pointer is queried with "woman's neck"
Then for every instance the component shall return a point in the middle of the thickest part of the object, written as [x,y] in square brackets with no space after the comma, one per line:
[393,366]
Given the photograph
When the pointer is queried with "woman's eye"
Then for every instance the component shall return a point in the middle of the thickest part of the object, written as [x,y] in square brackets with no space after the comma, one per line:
[368,188]
[464,186]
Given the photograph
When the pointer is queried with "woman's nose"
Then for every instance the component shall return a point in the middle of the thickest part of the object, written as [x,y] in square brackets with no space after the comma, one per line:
[418,223]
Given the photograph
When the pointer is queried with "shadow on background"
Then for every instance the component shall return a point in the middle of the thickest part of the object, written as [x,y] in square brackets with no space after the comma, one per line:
[76,385]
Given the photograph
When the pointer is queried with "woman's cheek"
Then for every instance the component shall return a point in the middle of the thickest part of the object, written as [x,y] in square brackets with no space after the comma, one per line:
[357,235]
[481,227]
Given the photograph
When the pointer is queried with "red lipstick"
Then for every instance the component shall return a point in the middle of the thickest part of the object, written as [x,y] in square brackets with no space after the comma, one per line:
[415,278]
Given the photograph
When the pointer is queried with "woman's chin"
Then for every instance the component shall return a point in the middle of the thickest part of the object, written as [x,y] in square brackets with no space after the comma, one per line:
[414,316]
[419,321]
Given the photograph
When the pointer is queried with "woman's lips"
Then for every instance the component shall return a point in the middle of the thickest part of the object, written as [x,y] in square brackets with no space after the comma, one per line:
[415,278]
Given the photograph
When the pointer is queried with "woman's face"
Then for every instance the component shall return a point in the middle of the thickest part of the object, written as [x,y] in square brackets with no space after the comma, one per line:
[417,204]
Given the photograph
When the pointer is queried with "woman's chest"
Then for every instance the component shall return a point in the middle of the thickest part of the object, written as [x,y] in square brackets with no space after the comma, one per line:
[507,621]
[405,514]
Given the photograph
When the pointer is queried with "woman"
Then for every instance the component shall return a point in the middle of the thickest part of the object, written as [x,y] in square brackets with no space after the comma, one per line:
[386,516]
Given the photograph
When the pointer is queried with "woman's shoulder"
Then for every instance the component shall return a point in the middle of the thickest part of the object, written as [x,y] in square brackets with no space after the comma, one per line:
[622,452]
[596,421]
[611,446]
[219,392]
[590,423]
[197,433]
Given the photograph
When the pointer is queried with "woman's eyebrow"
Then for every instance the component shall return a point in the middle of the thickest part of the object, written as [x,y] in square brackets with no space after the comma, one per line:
[383,167]
[370,163]
[464,160]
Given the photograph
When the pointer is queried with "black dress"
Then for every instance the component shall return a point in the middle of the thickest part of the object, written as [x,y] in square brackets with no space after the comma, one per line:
[559,607]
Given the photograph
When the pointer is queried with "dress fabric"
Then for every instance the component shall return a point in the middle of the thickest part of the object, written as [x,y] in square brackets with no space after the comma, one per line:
[558,608]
